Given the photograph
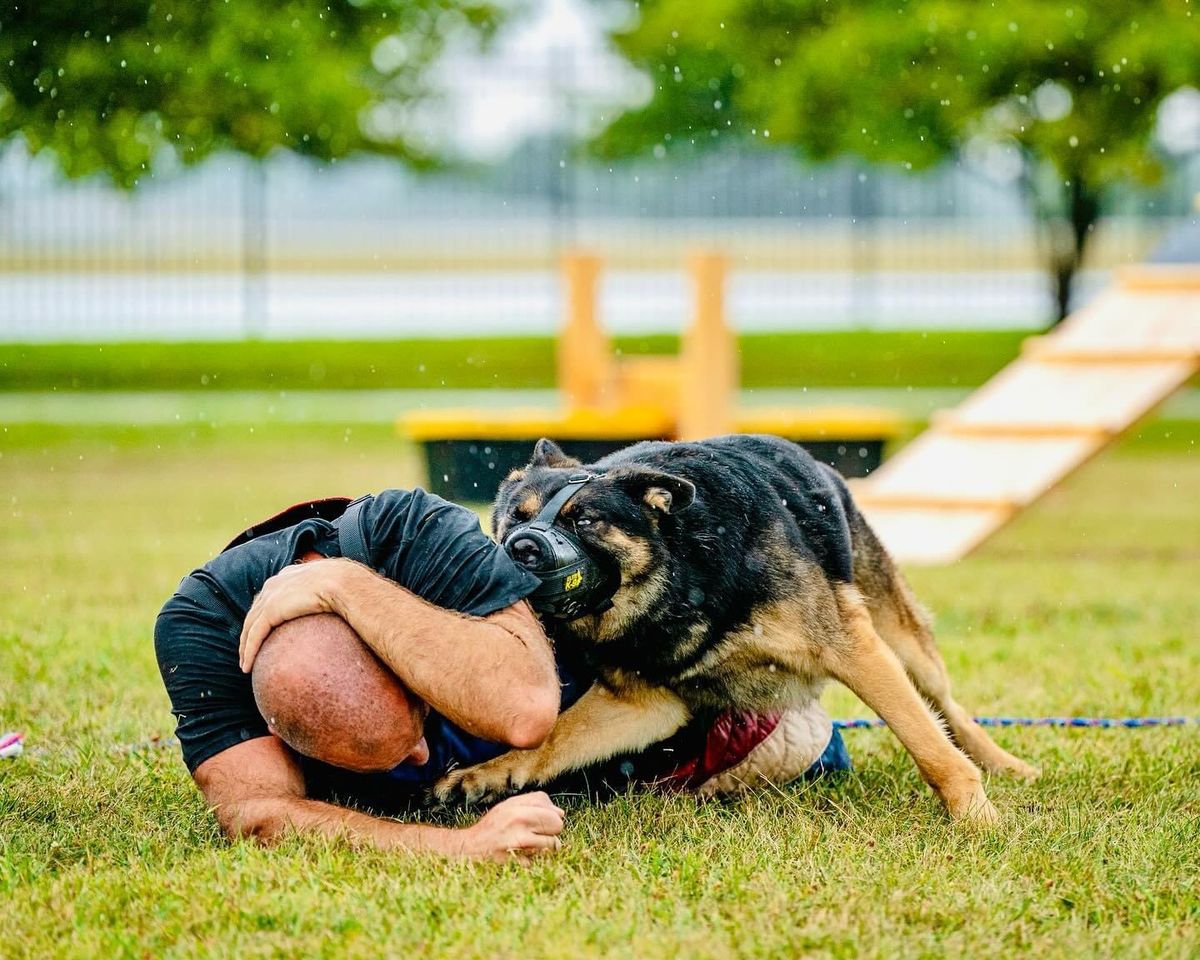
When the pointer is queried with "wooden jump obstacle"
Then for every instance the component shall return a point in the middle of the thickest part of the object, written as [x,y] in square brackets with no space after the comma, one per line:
[1069,395]
[610,401]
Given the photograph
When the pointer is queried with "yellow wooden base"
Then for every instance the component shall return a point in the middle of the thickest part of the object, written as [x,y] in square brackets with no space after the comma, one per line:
[821,423]
[517,423]
[645,423]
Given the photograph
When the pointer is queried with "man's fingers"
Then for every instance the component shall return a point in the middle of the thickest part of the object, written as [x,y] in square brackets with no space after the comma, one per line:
[258,633]
[537,843]
[253,634]
[541,819]
[537,798]
[531,806]
[546,822]
[532,846]
[247,626]
[539,813]
[537,803]
[252,615]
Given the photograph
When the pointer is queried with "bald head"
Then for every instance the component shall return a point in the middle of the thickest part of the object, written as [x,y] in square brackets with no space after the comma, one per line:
[329,697]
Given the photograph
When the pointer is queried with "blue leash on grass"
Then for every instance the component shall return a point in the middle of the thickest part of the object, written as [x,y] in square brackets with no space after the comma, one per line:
[1103,722]
[11,744]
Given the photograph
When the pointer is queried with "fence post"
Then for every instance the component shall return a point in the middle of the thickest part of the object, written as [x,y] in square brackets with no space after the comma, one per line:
[864,254]
[708,356]
[254,249]
[560,177]
[586,372]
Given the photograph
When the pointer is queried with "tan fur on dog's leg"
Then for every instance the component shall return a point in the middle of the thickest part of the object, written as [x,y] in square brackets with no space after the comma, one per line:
[600,725]
[871,670]
[928,672]
[904,626]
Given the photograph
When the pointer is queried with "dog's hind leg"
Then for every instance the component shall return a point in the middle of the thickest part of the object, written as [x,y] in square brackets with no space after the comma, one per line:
[865,664]
[904,626]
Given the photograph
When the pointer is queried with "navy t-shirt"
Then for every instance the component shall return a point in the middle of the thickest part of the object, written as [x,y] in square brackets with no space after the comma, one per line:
[429,546]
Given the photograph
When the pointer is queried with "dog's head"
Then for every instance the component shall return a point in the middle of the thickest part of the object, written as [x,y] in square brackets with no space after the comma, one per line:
[617,517]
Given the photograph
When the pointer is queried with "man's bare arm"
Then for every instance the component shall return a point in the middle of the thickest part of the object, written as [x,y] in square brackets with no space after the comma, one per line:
[257,791]
[492,676]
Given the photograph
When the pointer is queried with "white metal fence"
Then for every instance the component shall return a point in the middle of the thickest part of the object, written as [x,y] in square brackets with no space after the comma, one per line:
[289,249]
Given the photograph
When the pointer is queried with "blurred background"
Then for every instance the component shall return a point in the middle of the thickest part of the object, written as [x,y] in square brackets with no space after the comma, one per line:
[371,198]
[467,146]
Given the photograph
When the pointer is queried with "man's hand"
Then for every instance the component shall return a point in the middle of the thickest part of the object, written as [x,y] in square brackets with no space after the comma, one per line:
[296,591]
[519,829]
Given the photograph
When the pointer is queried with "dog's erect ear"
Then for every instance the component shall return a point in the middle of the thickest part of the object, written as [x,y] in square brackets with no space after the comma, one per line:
[547,453]
[664,492]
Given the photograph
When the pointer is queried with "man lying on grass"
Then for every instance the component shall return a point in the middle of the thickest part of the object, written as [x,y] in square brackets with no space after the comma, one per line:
[329,694]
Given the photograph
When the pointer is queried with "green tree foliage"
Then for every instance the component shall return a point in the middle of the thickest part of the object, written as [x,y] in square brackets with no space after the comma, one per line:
[1064,93]
[119,85]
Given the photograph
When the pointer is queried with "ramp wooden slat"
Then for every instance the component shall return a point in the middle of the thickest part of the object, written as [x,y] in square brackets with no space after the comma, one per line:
[942,467]
[1034,397]
[934,535]
[1048,412]
[1133,321]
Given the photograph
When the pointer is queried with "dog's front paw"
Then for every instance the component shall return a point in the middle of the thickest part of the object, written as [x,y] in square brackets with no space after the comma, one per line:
[481,783]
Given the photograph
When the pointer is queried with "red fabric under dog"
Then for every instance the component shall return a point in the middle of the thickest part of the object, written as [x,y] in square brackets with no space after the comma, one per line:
[732,737]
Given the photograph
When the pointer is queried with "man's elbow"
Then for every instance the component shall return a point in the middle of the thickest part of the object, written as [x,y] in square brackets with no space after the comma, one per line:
[533,718]
[257,821]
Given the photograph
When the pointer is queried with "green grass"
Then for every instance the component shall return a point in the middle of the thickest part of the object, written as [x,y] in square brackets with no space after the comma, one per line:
[854,358]
[1088,604]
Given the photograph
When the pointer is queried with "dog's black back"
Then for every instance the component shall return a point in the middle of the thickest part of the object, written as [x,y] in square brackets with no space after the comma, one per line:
[747,486]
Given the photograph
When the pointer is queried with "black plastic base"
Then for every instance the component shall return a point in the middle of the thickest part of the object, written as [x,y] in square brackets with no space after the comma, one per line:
[472,470]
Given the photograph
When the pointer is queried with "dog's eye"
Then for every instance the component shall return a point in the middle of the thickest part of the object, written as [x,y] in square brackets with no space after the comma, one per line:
[583,522]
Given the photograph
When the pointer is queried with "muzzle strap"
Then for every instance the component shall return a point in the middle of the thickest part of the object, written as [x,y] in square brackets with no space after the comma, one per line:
[575,483]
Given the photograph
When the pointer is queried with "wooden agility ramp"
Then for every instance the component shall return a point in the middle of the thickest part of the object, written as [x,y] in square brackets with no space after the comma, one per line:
[1069,395]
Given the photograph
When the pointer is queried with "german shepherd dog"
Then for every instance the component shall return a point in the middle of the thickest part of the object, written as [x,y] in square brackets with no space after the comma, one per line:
[748,579]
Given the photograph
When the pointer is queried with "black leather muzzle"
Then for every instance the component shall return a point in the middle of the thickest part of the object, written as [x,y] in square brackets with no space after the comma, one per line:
[574,582]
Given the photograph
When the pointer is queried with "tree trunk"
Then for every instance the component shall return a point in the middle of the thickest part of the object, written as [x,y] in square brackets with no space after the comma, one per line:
[1064,219]
[1069,240]
[1064,274]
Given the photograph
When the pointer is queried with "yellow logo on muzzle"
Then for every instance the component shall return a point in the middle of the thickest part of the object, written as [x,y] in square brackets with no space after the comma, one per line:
[573,580]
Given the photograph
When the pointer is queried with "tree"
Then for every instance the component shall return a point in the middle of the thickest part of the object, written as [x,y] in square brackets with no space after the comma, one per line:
[118,86]
[1068,92]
